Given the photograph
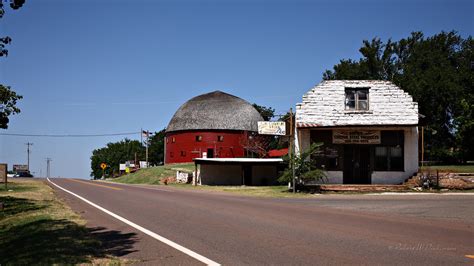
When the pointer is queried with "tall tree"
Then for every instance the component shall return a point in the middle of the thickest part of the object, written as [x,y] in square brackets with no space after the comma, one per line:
[156,150]
[437,72]
[8,97]
[266,112]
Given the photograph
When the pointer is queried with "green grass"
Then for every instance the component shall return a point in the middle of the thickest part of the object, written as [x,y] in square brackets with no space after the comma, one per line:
[154,175]
[37,228]
[450,168]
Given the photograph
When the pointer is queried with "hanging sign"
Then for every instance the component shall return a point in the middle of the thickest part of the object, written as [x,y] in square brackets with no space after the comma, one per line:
[271,128]
[356,136]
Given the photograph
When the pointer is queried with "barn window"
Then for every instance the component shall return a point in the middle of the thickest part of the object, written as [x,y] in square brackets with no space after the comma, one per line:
[173,140]
[198,138]
[183,153]
[220,138]
[357,99]
[167,140]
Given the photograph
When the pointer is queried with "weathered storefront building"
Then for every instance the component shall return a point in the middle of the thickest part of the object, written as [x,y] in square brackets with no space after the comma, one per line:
[368,128]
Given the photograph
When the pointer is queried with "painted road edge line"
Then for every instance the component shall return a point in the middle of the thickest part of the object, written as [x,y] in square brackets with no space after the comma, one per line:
[144,230]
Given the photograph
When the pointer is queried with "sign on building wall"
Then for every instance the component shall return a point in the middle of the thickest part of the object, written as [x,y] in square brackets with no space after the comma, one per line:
[271,128]
[356,136]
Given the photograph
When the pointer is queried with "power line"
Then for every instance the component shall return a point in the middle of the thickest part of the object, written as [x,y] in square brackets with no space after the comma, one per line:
[67,135]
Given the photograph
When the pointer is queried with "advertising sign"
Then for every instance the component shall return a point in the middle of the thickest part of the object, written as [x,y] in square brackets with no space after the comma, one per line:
[356,136]
[20,168]
[272,128]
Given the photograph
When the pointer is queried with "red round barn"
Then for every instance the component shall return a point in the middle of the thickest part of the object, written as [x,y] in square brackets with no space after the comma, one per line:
[214,124]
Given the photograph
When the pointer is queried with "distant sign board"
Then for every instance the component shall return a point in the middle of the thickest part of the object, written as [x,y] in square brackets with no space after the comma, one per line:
[20,168]
[356,136]
[272,128]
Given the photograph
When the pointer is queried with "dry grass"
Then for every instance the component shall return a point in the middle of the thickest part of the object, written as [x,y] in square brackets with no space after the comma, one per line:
[254,191]
[38,228]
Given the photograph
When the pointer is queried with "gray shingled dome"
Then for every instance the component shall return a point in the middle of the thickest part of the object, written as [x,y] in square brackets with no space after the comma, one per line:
[215,110]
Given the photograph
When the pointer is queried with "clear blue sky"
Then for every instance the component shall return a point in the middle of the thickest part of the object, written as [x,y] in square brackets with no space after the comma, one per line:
[90,67]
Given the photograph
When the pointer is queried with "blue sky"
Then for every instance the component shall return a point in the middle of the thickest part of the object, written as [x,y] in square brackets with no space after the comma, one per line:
[91,67]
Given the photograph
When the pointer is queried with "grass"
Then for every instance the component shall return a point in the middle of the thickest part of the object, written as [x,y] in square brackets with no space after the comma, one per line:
[37,228]
[254,191]
[154,175]
[469,168]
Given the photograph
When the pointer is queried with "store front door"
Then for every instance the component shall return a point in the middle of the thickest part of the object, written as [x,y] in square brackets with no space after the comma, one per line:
[356,164]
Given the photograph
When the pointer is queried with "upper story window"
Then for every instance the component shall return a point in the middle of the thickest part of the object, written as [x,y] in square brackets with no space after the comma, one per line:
[220,138]
[357,99]
[198,138]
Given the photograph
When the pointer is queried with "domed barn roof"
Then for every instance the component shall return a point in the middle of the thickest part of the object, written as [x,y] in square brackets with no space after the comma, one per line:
[215,110]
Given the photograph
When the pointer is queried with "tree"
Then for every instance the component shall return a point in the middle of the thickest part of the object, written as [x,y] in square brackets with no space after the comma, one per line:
[8,98]
[437,72]
[266,112]
[114,154]
[256,145]
[305,169]
[156,150]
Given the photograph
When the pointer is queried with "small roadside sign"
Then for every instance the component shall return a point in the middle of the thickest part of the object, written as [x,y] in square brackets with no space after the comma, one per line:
[272,128]
[3,174]
[103,166]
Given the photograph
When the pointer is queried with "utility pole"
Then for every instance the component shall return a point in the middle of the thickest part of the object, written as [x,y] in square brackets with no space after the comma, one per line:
[147,135]
[291,151]
[28,144]
[146,151]
[48,167]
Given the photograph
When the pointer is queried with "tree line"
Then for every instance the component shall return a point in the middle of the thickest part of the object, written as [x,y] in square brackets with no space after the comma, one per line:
[115,153]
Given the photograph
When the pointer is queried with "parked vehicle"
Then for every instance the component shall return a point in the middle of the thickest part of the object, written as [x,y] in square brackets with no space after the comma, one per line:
[25,174]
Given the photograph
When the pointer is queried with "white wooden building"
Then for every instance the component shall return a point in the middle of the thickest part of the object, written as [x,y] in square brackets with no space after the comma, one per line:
[368,128]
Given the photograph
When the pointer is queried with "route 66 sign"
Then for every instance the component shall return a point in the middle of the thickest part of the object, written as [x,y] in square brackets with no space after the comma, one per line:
[103,166]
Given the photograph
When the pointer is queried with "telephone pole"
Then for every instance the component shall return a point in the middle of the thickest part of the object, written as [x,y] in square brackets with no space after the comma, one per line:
[147,143]
[48,167]
[28,144]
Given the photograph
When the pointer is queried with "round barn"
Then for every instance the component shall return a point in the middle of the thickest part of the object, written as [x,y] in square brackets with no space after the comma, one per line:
[212,125]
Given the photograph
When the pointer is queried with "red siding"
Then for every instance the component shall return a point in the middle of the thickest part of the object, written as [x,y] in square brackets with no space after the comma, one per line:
[185,147]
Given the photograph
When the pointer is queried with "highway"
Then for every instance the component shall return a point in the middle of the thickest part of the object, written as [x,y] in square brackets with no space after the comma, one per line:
[238,230]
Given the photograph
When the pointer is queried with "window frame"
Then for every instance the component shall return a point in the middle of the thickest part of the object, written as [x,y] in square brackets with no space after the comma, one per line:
[355,92]
[388,159]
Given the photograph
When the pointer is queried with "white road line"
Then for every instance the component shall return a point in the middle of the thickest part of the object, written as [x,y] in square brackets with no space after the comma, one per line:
[144,230]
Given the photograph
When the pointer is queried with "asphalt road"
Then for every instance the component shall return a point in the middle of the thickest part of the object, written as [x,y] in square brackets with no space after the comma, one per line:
[325,229]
